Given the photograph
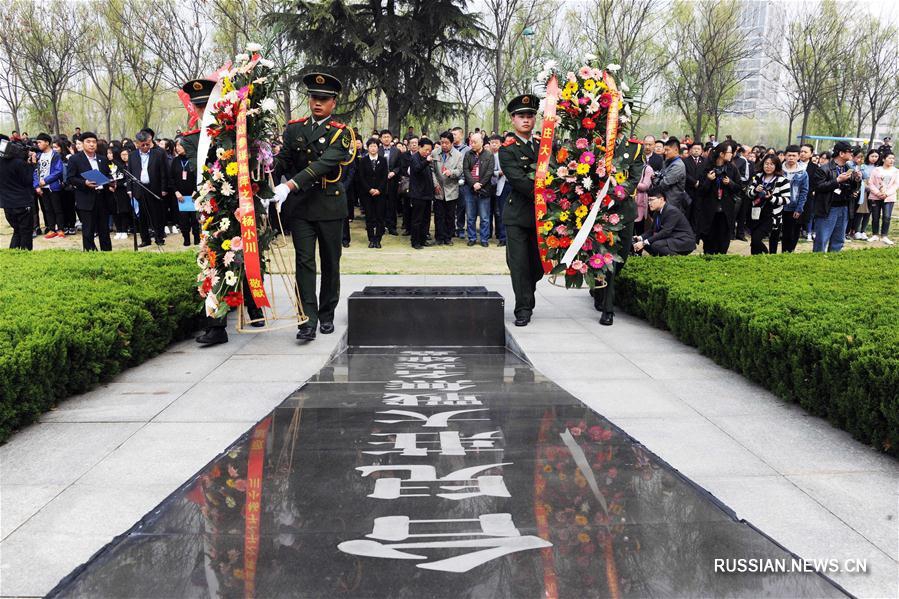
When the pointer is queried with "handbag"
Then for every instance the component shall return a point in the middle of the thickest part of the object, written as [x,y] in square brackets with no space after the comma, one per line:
[403,188]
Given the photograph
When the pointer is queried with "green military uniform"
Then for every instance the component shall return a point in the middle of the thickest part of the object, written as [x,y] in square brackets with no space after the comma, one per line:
[604,298]
[516,159]
[312,157]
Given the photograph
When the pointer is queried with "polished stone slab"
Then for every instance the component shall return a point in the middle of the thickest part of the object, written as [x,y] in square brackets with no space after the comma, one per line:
[381,479]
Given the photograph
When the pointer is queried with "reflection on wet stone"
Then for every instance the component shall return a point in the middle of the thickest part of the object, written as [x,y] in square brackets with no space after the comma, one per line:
[436,473]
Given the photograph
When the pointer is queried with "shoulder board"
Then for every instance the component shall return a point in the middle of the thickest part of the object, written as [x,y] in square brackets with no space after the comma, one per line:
[336,124]
[300,120]
[509,142]
[191,132]
[634,140]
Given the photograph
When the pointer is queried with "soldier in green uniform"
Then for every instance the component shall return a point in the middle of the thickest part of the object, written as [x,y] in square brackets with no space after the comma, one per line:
[198,90]
[604,297]
[516,158]
[315,150]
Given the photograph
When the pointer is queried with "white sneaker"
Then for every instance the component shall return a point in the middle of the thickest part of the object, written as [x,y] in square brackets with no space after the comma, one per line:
[166,229]
[808,237]
[873,238]
[175,229]
[886,240]
[858,236]
[847,239]
[864,237]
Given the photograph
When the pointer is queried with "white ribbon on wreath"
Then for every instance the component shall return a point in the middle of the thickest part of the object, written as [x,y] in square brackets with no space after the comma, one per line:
[584,232]
[208,118]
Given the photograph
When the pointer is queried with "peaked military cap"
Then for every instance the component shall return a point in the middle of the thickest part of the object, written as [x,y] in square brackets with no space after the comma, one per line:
[524,103]
[198,90]
[322,84]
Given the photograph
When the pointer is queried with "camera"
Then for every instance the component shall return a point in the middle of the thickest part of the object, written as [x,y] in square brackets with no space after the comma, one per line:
[15,149]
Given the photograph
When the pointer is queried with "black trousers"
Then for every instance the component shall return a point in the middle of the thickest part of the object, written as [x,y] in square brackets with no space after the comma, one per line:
[742,216]
[759,230]
[792,228]
[420,225]
[51,204]
[375,207]
[252,310]
[326,234]
[188,223]
[22,222]
[667,247]
[152,216]
[444,219]
[406,207]
[390,208]
[68,208]
[523,259]
[95,221]
[351,213]
[717,239]
[461,217]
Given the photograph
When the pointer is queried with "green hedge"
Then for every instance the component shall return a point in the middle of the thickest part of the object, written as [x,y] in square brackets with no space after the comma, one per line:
[69,320]
[818,329]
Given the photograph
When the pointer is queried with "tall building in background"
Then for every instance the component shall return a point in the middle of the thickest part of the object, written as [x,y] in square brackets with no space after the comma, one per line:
[764,25]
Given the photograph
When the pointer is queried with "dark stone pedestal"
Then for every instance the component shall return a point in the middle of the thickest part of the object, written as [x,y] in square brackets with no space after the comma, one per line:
[426,316]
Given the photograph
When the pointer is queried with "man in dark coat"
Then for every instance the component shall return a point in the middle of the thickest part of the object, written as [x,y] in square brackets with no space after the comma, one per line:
[17,198]
[671,233]
[421,191]
[516,157]
[150,169]
[91,200]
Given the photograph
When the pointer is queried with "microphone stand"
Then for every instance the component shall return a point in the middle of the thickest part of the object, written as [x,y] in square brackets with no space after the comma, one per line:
[147,208]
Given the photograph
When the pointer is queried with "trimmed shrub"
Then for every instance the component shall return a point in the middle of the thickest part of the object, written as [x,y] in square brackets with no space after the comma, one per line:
[70,320]
[818,329]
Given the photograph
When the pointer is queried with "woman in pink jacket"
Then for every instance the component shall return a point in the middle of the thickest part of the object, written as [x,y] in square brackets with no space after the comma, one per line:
[642,199]
[883,184]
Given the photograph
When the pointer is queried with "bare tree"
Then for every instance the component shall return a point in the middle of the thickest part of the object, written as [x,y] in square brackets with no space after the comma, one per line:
[100,55]
[812,50]
[702,79]
[178,39]
[508,22]
[11,91]
[468,87]
[880,86]
[627,33]
[47,62]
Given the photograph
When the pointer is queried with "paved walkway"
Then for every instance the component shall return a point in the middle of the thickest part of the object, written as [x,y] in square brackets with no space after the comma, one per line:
[93,467]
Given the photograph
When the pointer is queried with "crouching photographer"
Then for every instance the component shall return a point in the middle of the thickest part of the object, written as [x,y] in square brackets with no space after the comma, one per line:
[16,191]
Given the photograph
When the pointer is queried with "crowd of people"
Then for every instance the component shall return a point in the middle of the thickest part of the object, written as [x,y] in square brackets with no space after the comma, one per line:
[771,197]
[452,189]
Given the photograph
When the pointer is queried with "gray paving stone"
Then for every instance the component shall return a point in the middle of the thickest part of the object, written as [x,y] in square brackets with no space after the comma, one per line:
[174,367]
[32,564]
[18,503]
[164,453]
[227,402]
[88,509]
[866,501]
[694,446]
[803,444]
[118,402]
[271,368]
[678,365]
[561,366]
[59,453]
[615,398]
[730,396]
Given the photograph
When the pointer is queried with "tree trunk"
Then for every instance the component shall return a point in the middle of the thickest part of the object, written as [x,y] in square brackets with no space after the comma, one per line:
[497,92]
[873,131]
[466,115]
[790,131]
[396,111]
[54,107]
[109,123]
[15,117]
[285,105]
[805,115]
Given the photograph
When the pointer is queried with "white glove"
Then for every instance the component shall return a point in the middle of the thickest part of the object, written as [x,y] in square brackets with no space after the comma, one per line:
[281,193]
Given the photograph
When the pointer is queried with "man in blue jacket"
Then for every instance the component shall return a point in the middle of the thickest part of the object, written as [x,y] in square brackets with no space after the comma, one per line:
[795,172]
[47,183]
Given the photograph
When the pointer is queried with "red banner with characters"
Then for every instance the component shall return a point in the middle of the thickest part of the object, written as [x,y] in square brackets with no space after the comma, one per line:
[253,506]
[547,131]
[248,232]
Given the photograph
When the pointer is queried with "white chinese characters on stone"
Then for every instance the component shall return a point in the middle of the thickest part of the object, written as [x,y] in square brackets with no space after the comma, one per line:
[460,484]
[497,537]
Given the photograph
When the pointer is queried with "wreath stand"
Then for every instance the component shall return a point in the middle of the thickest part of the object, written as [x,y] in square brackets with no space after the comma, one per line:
[282,268]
